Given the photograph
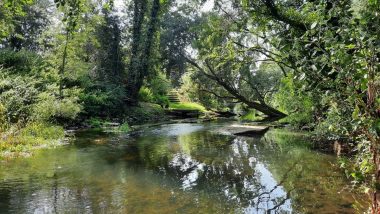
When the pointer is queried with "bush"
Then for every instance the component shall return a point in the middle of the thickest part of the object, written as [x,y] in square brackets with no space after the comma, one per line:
[297,104]
[42,131]
[3,121]
[146,95]
[49,107]
[19,62]
[28,90]
[155,91]
[125,127]
[103,101]
[163,101]
[94,122]
[17,94]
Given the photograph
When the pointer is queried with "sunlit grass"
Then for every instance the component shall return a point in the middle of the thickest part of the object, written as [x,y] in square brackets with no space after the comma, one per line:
[17,142]
[187,106]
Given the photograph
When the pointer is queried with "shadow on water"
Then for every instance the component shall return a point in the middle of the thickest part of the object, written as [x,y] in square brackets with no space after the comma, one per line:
[184,168]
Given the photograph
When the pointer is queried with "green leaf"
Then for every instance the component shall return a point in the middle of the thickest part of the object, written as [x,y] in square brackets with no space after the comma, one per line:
[355,113]
[350,46]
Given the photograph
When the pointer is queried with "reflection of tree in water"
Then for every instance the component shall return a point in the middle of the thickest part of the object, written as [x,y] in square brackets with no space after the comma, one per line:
[222,166]
[317,186]
[231,172]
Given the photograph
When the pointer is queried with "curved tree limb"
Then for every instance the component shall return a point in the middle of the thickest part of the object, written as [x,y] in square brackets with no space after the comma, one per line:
[262,107]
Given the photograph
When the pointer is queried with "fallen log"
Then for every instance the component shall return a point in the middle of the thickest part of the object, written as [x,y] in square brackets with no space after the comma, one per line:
[244,130]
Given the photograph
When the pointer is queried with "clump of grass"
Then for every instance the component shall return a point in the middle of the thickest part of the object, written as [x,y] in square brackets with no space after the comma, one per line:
[17,141]
[187,106]
[95,122]
[125,127]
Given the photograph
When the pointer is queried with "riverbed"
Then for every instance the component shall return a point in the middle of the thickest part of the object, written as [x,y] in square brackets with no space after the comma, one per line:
[177,168]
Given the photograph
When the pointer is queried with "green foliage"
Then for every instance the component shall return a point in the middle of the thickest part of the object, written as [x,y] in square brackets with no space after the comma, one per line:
[297,104]
[21,62]
[48,106]
[3,121]
[191,90]
[125,127]
[155,90]
[8,10]
[176,35]
[336,56]
[162,100]
[103,101]
[251,115]
[28,91]
[42,131]
[94,122]
[146,95]
[28,27]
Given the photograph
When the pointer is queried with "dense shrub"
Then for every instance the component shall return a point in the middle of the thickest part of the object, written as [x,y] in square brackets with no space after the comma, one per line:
[155,90]
[297,104]
[28,96]
[145,94]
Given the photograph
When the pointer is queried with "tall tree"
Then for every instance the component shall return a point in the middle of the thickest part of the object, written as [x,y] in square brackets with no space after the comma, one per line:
[230,66]
[28,26]
[110,55]
[142,44]
[177,35]
[71,11]
[9,9]
[333,47]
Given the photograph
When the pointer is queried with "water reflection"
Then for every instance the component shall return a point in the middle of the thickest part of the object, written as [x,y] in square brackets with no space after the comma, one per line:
[183,168]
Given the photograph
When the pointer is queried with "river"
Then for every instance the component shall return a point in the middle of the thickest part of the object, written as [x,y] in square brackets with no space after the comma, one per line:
[177,168]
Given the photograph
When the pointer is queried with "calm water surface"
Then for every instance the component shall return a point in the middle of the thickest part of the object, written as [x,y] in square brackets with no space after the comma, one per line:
[176,168]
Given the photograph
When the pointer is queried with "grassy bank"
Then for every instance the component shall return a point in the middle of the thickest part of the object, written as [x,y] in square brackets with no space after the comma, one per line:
[187,106]
[16,141]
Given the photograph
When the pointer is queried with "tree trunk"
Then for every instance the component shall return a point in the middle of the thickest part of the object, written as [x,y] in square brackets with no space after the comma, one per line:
[139,67]
[260,106]
[266,109]
[376,192]
[138,18]
[62,67]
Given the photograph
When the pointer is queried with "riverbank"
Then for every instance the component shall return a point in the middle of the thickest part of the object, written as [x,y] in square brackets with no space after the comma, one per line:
[24,141]
[16,141]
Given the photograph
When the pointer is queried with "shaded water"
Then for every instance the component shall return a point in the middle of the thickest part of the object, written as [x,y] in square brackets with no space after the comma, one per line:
[176,168]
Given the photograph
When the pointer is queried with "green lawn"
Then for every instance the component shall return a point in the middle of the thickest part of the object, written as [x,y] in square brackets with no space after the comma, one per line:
[187,106]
